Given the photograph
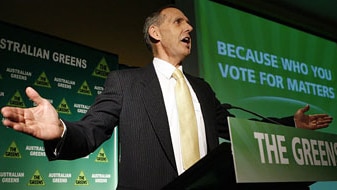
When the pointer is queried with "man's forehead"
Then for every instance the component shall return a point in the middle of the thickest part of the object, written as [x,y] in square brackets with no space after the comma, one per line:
[173,13]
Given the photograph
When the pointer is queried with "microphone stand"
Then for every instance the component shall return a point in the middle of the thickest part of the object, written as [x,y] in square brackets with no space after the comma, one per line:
[229,106]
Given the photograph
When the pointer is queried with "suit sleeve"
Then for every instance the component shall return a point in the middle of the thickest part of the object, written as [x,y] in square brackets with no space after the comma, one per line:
[84,136]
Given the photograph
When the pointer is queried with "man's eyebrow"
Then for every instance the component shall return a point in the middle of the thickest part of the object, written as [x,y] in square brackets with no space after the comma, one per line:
[180,19]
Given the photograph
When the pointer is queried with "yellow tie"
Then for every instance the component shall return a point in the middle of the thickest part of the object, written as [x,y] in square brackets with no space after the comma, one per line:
[187,121]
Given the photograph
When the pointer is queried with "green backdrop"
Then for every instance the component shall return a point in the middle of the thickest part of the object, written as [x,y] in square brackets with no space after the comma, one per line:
[264,66]
[69,75]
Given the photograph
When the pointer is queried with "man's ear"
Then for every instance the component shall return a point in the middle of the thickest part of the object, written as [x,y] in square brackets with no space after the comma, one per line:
[154,33]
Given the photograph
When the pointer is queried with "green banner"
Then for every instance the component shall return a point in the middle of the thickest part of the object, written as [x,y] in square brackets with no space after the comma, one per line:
[265,152]
[250,61]
[70,76]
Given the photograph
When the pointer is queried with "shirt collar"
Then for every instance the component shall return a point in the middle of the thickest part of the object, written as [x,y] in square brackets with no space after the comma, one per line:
[164,68]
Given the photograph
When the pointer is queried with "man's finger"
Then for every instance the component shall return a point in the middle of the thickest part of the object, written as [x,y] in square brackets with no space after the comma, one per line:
[33,95]
[306,108]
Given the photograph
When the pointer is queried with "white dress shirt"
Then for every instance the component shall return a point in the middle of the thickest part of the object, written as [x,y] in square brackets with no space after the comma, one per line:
[164,72]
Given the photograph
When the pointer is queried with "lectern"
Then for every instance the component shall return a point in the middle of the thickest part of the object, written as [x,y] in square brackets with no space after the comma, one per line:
[216,171]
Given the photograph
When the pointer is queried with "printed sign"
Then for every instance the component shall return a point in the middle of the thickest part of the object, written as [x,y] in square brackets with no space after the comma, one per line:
[265,152]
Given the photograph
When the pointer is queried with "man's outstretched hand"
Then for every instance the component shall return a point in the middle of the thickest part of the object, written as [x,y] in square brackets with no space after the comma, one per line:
[41,121]
[315,121]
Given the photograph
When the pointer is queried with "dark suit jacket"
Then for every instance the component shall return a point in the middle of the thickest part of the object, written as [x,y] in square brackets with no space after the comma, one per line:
[133,101]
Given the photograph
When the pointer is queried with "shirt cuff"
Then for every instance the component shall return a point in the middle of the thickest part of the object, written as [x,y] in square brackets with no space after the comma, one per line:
[64,128]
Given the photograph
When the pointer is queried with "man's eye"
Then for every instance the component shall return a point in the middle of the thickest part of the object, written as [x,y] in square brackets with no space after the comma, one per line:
[178,21]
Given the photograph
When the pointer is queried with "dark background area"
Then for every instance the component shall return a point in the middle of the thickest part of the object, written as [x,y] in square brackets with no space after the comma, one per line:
[115,26]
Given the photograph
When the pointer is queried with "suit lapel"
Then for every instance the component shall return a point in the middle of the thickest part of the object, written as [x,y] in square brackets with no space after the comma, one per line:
[155,107]
[203,98]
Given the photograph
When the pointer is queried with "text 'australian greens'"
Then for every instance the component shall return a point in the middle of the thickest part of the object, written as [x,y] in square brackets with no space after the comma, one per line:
[42,53]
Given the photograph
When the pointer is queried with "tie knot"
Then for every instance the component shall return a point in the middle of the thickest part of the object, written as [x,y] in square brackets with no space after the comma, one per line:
[177,74]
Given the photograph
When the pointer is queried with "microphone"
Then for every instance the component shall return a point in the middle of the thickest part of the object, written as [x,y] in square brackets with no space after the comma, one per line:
[229,106]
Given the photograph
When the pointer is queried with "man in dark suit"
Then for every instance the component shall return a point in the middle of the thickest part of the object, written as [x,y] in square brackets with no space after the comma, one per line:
[141,103]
